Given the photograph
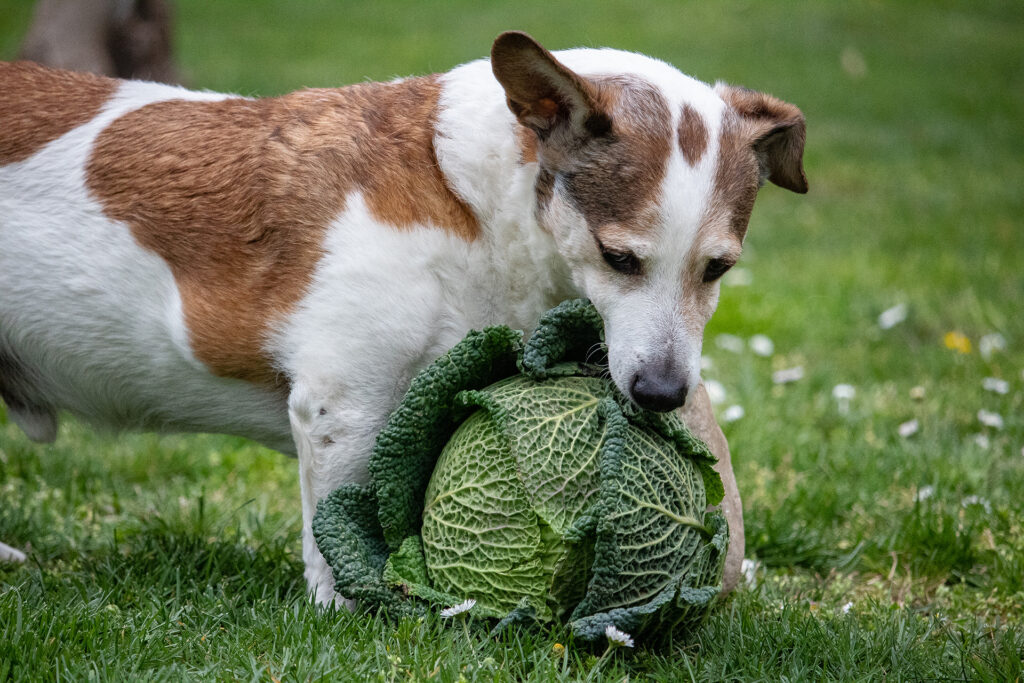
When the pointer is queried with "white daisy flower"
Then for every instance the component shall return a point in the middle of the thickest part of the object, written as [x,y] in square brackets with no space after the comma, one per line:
[460,608]
[982,441]
[924,493]
[788,375]
[994,384]
[977,500]
[844,391]
[716,392]
[733,413]
[730,342]
[847,607]
[843,394]
[991,343]
[891,317]
[989,419]
[617,638]
[762,345]
[908,428]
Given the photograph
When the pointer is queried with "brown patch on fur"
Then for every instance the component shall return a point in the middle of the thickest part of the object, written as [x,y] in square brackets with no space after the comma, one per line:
[761,137]
[619,236]
[693,135]
[526,139]
[39,105]
[236,196]
[699,298]
[619,174]
[544,189]
[737,177]
[777,131]
[608,138]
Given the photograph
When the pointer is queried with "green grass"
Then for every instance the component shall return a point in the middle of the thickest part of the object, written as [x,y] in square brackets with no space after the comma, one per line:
[178,557]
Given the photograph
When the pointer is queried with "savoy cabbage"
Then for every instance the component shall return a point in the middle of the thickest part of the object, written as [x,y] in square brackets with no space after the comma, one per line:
[518,476]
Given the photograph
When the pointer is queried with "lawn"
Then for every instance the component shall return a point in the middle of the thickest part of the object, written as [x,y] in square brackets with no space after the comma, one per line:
[879,555]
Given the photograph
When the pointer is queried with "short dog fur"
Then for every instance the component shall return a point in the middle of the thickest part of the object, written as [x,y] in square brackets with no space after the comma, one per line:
[280,268]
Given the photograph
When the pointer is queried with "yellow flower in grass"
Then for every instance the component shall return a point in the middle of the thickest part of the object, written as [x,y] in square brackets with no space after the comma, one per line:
[558,649]
[957,342]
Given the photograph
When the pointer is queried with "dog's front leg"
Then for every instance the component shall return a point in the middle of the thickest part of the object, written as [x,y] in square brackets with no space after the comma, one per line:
[700,418]
[334,432]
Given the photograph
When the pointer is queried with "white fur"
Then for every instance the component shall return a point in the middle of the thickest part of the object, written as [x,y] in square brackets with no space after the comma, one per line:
[100,320]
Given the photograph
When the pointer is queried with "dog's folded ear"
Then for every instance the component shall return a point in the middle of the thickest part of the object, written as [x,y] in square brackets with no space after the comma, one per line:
[542,92]
[777,131]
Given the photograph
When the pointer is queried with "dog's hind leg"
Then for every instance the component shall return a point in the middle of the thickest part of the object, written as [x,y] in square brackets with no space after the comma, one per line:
[39,423]
[36,419]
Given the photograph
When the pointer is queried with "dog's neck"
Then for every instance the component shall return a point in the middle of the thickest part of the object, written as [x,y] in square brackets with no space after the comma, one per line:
[480,148]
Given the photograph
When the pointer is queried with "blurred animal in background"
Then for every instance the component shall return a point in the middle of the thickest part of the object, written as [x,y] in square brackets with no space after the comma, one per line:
[123,38]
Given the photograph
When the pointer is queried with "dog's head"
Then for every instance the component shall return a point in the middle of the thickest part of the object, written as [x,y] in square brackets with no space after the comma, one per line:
[646,181]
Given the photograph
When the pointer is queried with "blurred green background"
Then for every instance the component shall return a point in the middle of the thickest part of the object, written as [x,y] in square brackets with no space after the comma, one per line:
[915,157]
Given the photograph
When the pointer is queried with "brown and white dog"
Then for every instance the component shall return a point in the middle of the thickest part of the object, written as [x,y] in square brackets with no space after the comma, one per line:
[280,268]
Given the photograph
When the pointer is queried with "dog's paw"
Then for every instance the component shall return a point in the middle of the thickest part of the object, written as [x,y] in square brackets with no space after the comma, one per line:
[321,588]
[327,598]
[9,554]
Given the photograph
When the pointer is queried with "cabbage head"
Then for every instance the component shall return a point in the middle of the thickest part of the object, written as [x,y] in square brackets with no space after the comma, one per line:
[518,476]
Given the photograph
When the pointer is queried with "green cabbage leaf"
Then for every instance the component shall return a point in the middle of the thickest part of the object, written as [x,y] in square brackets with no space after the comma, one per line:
[518,476]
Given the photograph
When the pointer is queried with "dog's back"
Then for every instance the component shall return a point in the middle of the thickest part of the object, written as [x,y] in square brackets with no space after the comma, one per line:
[153,239]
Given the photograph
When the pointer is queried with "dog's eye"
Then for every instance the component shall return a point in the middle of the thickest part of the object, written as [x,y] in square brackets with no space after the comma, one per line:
[622,261]
[716,268]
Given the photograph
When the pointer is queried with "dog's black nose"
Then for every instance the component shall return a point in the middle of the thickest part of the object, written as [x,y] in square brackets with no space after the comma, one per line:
[660,391]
